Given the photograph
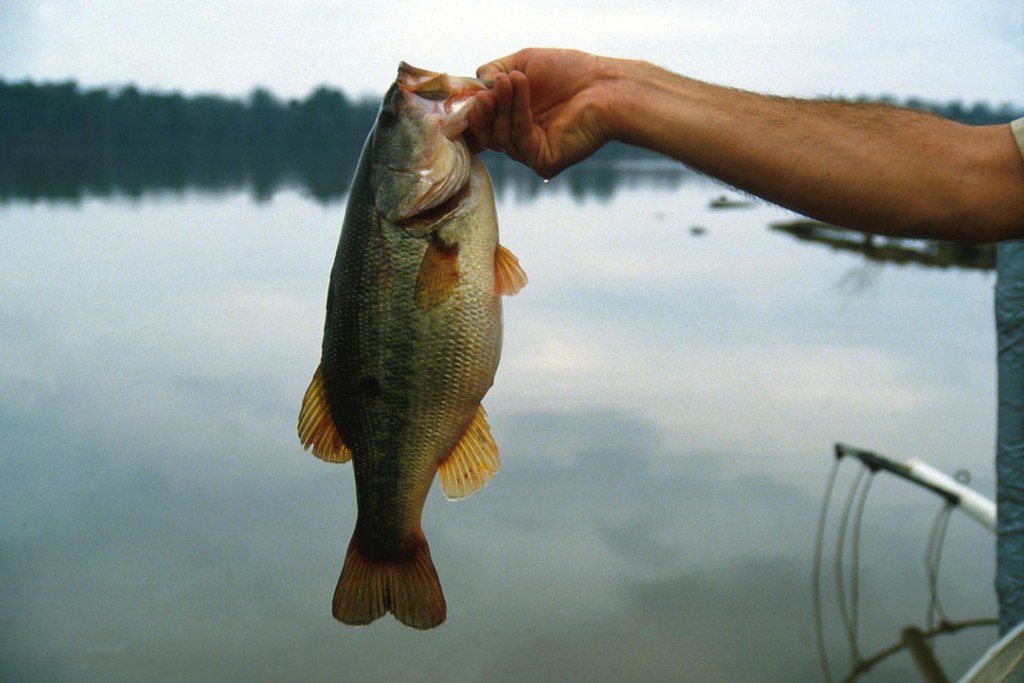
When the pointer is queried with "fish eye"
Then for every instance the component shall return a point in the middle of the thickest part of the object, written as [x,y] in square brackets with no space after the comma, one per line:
[387,118]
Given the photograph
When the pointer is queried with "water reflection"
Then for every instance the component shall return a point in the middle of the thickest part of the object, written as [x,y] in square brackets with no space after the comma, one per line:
[323,173]
[50,177]
[593,567]
[599,177]
[665,411]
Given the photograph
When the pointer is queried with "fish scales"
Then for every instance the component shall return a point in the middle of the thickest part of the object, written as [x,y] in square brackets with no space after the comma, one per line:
[402,379]
[412,340]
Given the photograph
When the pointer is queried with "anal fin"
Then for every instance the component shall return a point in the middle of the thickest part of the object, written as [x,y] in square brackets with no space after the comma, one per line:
[473,462]
[316,425]
[509,276]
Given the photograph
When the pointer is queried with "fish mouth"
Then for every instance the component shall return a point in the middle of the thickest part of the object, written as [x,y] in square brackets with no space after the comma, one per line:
[431,92]
[434,85]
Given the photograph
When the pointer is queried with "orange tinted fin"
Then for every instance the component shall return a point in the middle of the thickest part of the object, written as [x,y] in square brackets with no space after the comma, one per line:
[438,276]
[316,426]
[473,462]
[509,276]
[409,588]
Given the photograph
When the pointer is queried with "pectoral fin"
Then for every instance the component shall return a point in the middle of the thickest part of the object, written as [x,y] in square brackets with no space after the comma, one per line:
[473,462]
[509,276]
[316,425]
[438,275]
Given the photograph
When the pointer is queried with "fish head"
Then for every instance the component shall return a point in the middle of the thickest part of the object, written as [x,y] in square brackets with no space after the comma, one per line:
[419,156]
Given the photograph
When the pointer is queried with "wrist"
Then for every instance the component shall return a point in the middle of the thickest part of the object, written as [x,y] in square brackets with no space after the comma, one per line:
[618,78]
[637,93]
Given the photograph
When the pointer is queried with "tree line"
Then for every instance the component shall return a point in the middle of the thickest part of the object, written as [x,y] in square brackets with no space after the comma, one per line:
[62,140]
[975,114]
[62,137]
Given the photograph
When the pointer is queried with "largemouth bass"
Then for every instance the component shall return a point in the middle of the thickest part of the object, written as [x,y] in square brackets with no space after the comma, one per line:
[411,342]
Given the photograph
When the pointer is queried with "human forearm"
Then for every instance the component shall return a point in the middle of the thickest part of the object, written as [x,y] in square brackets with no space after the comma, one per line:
[871,167]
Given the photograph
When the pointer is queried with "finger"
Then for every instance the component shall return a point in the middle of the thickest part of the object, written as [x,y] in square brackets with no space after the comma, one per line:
[526,137]
[504,65]
[478,120]
[491,69]
[522,115]
[501,121]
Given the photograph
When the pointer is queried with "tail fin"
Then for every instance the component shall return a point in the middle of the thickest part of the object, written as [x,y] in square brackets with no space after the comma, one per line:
[408,588]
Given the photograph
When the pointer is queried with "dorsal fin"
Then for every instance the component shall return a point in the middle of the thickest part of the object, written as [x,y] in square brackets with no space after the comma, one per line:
[473,462]
[316,425]
[509,276]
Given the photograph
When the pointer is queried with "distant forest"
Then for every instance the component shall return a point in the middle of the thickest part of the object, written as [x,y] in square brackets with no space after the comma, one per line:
[60,140]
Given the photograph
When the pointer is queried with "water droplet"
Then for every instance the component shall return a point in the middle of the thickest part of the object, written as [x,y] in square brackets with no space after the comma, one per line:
[547,180]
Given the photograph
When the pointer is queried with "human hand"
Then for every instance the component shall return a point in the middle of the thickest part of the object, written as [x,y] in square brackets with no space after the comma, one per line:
[548,109]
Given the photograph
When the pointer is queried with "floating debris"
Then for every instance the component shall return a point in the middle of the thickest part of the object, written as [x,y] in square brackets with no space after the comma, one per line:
[930,253]
[723,202]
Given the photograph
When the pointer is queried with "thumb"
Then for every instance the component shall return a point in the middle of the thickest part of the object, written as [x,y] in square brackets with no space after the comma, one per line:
[504,65]
[488,71]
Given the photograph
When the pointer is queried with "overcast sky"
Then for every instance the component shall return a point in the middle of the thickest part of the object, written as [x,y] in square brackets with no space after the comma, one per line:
[937,49]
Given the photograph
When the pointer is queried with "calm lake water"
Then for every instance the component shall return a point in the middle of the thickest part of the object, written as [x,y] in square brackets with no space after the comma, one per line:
[673,381]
